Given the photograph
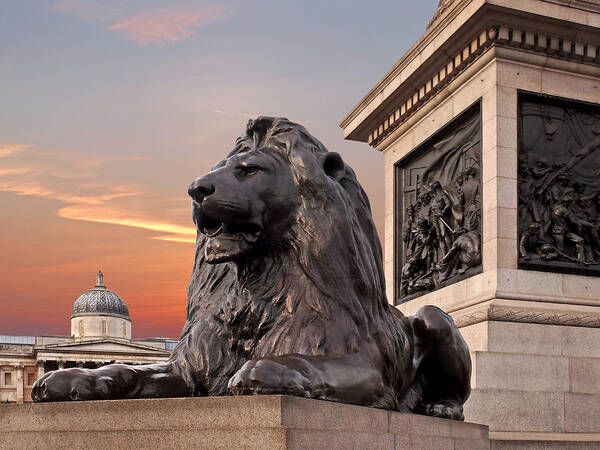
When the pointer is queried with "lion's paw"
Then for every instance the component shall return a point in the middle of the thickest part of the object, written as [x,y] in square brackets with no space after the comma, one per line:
[62,385]
[266,376]
[446,409]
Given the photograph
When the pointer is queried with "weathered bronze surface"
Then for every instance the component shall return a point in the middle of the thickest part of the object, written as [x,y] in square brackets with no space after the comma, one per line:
[287,295]
[559,183]
[438,210]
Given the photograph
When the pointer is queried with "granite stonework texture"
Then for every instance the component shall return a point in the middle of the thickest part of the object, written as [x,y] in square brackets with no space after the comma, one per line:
[253,422]
[534,335]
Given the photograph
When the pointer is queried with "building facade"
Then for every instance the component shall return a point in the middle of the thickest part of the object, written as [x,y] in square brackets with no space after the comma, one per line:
[100,335]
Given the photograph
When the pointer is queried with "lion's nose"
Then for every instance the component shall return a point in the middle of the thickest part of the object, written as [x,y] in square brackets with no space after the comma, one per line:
[200,189]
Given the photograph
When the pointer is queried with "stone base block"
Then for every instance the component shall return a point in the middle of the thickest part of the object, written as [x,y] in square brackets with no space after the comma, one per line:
[261,422]
[535,385]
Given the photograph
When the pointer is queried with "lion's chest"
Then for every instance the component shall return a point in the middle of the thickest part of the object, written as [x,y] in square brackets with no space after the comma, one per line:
[244,322]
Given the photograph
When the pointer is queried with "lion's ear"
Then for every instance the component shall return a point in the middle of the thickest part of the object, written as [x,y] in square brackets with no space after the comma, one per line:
[333,165]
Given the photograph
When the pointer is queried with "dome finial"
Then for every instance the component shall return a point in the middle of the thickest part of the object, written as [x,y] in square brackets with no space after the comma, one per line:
[100,279]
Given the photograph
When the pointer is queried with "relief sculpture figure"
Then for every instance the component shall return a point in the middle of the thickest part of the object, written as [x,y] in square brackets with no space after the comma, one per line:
[287,295]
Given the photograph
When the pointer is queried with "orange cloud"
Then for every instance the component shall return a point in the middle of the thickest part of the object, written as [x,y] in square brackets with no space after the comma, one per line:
[74,181]
[10,149]
[163,25]
[172,238]
[33,188]
[116,217]
[15,171]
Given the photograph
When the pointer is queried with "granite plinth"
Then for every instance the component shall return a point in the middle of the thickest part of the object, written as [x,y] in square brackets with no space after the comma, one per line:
[265,422]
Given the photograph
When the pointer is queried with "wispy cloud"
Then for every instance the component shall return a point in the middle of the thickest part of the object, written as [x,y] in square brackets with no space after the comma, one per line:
[14,171]
[138,22]
[72,180]
[117,217]
[163,25]
[34,188]
[10,149]
[175,238]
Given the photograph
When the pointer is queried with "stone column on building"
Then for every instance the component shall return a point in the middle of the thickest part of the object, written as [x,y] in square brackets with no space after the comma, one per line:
[61,365]
[80,364]
[19,383]
[40,368]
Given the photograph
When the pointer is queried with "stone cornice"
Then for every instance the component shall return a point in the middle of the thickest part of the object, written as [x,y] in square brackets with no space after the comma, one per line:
[499,35]
[430,35]
[447,72]
[76,344]
[456,27]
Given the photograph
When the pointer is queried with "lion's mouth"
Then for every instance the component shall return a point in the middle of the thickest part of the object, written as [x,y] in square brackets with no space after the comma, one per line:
[213,228]
[230,233]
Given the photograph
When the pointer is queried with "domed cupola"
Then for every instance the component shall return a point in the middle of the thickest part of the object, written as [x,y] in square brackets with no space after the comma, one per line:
[100,312]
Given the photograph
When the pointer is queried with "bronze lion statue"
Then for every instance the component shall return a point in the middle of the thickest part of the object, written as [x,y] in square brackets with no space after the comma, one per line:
[287,295]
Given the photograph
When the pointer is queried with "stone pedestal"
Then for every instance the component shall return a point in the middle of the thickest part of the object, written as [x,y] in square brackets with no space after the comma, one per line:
[260,422]
[534,382]
[534,335]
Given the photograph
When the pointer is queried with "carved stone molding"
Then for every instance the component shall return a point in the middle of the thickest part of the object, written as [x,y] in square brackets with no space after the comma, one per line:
[441,78]
[517,313]
[498,35]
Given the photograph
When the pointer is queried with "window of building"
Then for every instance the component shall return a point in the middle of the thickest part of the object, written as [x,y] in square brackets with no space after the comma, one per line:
[30,378]
[124,329]
[8,378]
[81,328]
[103,327]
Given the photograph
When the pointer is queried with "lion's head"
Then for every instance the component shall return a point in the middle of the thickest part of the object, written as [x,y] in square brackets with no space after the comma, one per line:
[246,202]
[251,201]
[281,195]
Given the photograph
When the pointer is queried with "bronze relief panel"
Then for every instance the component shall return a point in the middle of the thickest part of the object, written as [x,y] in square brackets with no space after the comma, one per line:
[559,185]
[438,209]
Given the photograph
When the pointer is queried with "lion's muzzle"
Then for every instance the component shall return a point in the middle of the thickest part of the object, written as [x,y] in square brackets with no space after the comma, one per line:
[228,214]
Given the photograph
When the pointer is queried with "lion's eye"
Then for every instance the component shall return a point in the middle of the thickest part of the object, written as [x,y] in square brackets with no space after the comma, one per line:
[248,171]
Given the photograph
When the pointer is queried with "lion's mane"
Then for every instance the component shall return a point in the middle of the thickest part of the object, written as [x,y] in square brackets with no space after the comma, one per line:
[328,278]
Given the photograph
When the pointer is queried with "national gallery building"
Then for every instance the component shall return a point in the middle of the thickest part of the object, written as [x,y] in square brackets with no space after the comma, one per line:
[100,335]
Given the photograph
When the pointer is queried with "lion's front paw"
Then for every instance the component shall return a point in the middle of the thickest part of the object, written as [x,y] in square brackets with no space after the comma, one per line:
[266,376]
[447,409]
[61,385]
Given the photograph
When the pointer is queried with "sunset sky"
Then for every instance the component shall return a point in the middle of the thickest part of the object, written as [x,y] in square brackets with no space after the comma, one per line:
[110,108]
